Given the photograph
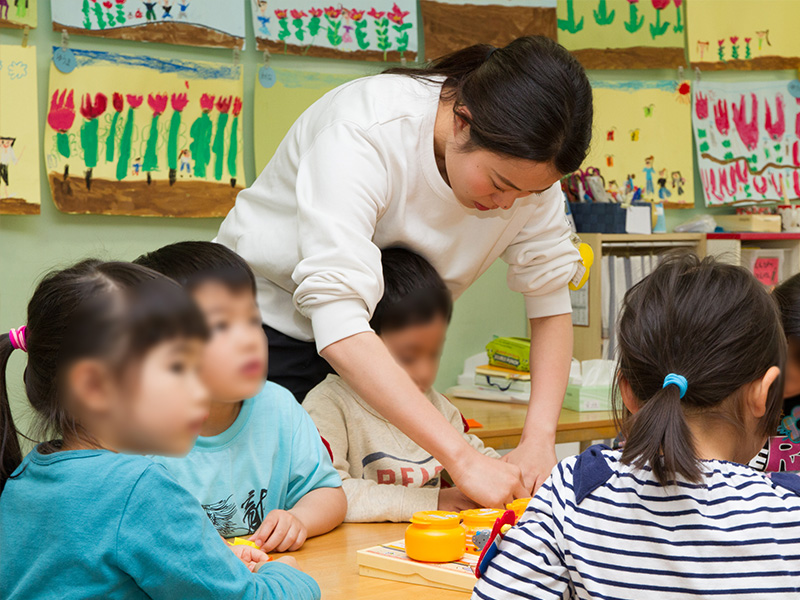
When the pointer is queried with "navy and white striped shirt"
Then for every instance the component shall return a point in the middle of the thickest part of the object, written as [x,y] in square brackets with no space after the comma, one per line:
[601,529]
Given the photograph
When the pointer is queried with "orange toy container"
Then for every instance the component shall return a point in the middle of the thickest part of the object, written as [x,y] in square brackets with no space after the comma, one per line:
[479,521]
[518,506]
[435,536]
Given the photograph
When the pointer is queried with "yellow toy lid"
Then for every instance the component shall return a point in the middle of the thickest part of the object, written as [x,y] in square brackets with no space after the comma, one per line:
[436,518]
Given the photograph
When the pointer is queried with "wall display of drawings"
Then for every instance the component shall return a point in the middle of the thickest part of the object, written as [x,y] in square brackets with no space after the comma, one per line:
[278,107]
[453,24]
[623,34]
[381,30]
[18,13]
[642,138]
[743,34]
[133,135]
[747,136]
[19,134]
[215,23]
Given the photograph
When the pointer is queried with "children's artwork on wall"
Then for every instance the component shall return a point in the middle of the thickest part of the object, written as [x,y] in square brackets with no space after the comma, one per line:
[623,34]
[215,23]
[642,140]
[133,135]
[450,25]
[381,30]
[277,108]
[747,141]
[18,13]
[743,34]
[19,134]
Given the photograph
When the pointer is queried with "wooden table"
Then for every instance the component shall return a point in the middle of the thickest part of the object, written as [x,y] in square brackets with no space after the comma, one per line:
[331,560]
[502,423]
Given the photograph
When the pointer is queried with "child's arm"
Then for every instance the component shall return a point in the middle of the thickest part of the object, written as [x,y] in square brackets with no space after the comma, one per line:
[529,563]
[319,511]
[168,546]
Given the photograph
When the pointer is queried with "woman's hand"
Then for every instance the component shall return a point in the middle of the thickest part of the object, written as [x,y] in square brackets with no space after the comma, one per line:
[488,481]
[535,461]
[453,500]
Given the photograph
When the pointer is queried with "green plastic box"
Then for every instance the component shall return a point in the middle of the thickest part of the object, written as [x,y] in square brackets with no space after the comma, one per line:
[510,352]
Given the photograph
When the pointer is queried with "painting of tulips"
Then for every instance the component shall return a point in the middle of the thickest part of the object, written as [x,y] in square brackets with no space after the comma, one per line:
[743,34]
[213,23]
[19,138]
[452,24]
[379,30]
[132,135]
[624,34]
[18,13]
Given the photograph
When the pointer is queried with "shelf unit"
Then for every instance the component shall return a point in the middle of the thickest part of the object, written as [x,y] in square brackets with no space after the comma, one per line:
[588,339]
[727,247]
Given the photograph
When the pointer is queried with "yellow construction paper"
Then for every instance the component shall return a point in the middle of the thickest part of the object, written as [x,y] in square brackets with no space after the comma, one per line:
[636,120]
[278,107]
[19,134]
[141,136]
[754,34]
[18,13]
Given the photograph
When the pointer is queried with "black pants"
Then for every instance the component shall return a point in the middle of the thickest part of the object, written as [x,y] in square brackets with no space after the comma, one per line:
[295,364]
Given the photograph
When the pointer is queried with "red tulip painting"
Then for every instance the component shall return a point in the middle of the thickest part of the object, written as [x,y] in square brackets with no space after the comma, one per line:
[140,136]
[745,152]
[623,34]
[384,30]
[209,23]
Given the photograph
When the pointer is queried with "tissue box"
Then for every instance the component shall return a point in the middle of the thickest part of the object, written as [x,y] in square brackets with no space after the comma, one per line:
[587,398]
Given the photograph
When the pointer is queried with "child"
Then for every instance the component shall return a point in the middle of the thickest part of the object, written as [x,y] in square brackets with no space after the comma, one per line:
[112,350]
[259,466]
[385,475]
[672,515]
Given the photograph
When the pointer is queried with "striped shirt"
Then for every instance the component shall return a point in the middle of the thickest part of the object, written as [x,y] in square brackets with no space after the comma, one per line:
[601,529]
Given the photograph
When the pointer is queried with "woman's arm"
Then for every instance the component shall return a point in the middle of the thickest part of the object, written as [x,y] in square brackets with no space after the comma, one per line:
[363,361]
[551,354]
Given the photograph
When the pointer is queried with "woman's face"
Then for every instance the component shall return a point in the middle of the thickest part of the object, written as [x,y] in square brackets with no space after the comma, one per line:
[485,180]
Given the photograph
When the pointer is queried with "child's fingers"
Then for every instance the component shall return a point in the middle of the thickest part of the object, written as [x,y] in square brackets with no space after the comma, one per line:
[289,539]
[264,530]
[301,539]
[278,534]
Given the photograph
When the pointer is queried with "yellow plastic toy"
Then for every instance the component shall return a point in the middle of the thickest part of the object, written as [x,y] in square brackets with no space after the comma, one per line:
[587,259]
[479,523]
[435,536]
[237,541]
[518,506]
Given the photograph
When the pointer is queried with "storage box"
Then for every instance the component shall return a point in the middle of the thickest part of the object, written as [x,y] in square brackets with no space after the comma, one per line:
[587,398]
[760,223]
[510,352]
[598,217]
[501,379]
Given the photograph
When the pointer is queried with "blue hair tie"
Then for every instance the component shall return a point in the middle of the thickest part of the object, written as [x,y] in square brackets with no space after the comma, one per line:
[675,379]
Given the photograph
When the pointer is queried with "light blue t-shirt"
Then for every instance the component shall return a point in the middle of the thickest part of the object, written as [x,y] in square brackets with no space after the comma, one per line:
[96,524]
[269,458]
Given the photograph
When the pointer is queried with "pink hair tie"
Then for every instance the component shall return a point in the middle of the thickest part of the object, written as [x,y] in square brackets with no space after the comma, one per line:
[17,337]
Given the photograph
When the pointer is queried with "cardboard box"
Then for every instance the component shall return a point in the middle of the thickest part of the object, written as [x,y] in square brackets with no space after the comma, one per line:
[587,398]
[759,223]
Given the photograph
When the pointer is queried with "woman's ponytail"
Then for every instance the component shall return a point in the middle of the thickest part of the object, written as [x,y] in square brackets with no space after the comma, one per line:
[659,436]
[10,451]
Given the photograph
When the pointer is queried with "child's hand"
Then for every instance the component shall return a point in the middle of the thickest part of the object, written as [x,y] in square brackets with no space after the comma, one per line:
[280,531]
[453,500]
[252,558]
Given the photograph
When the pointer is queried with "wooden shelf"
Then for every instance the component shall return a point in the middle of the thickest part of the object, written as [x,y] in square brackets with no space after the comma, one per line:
[753,236]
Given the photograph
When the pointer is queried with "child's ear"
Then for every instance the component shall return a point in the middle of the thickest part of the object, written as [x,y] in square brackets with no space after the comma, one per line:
[628,399]
[91,385]
[756,399]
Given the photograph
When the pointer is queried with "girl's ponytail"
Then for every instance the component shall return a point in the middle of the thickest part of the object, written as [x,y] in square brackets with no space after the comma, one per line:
[10,451]
[660,436]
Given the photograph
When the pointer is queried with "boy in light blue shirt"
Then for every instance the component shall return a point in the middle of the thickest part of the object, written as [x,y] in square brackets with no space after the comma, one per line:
[259,467]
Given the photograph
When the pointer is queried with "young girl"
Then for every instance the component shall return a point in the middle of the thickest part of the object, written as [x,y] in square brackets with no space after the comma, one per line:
[673,514]
[112,356]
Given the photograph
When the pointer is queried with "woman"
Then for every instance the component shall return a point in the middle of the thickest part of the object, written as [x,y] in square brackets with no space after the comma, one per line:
[459,162]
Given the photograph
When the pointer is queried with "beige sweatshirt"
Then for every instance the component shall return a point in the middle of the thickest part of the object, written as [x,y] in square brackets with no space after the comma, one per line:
[385,475]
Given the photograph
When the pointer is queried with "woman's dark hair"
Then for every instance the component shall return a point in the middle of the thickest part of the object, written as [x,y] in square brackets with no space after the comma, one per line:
[113,311]
[530,100]
[194,263]
[787,297]
[715,325]
[413,292]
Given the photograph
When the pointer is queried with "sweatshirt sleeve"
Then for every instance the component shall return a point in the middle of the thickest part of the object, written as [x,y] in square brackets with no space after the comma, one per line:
[542,260]
[456,419]
[342,186]
[167,544]
[367,501]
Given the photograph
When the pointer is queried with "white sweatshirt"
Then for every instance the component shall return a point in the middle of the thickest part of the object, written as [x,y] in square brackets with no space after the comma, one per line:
[357,173]
[385,475]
